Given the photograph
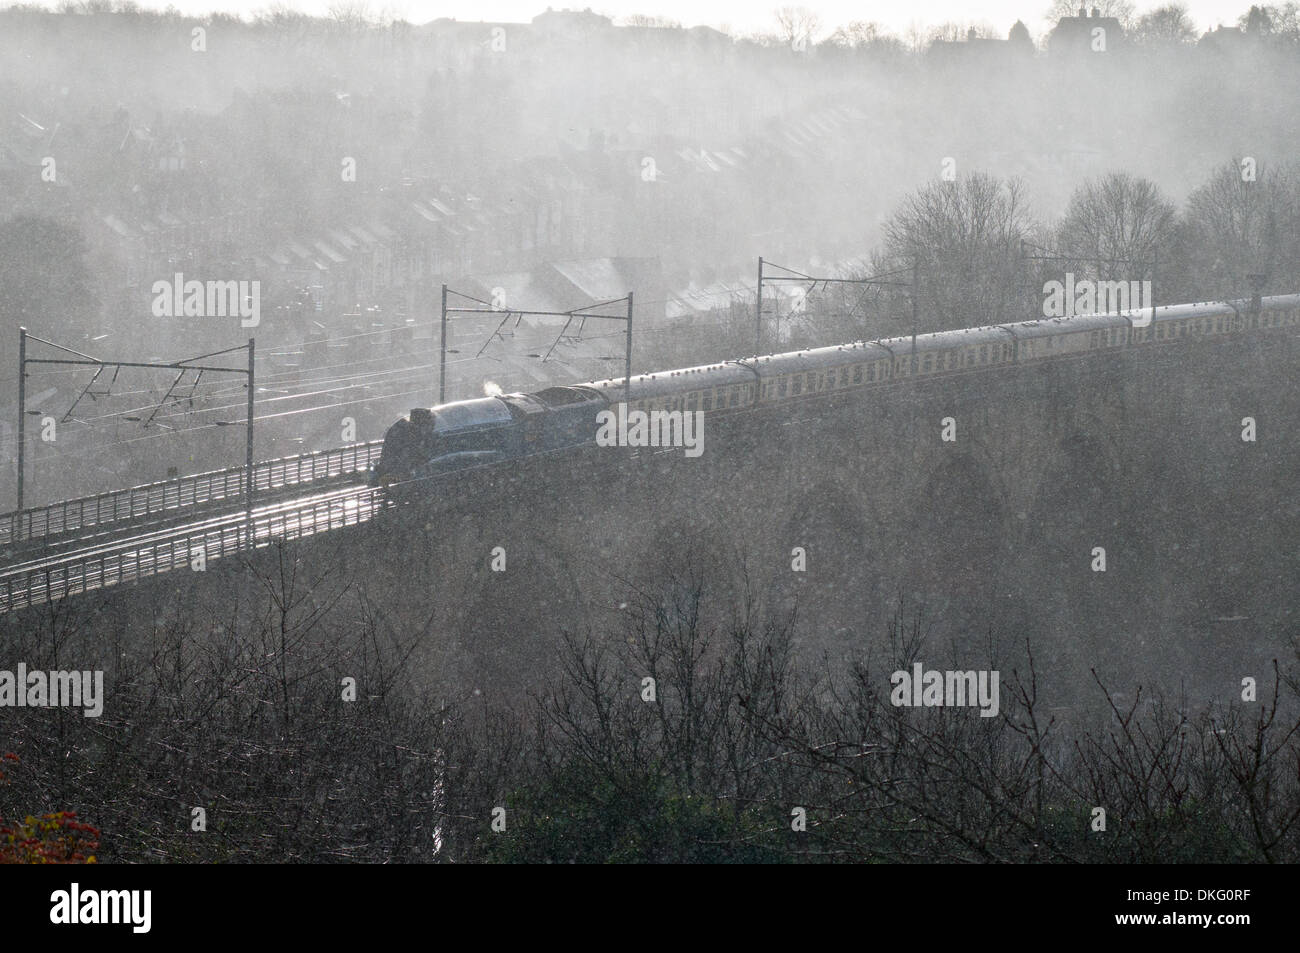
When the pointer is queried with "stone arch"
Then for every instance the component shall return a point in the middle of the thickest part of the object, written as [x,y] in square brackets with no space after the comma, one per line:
[849,551]
[828,515]
[955,528]
[1080,485]
[505,625]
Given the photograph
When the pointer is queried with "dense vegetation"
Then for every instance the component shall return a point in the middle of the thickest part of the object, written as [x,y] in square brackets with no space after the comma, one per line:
[250,724]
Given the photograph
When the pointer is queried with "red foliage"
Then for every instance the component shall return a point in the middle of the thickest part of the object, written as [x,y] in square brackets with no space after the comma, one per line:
[57,838]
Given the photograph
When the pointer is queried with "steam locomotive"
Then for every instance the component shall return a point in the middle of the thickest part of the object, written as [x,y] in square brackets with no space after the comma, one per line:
[466,433]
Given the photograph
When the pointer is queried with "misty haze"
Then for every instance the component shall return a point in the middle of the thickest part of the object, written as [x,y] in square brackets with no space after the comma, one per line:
[605,439]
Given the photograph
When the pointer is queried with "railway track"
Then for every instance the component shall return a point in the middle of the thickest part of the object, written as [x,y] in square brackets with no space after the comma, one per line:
[117,514]
[150,553]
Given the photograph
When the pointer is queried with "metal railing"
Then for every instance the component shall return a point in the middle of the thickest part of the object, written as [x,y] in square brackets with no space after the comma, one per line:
[45,523]
[132,561]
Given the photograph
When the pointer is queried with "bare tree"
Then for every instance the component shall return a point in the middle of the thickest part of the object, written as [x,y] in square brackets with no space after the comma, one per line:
[1274,22]
[965,236]
[1116,225]
[797,26]
[1169,25]
[1244,220]
[858,33]
[352,16]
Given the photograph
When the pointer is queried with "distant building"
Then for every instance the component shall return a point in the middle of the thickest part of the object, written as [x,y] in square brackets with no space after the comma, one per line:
[1089,32]
[1228,40]
[977,48]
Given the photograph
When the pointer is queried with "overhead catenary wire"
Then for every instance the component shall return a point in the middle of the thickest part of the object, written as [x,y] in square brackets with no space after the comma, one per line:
[214,389]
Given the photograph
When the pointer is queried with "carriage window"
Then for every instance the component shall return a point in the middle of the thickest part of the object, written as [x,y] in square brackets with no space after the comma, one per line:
[857,374]
[781,386]
[706,402]
[796,385]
